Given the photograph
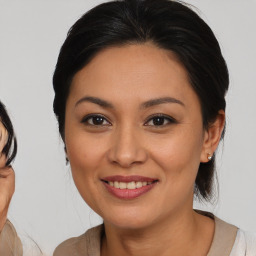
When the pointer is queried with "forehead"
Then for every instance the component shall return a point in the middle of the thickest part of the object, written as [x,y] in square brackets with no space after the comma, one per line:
[138,71]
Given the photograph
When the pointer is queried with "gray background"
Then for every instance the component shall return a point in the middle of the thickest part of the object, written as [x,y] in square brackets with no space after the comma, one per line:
[46,206]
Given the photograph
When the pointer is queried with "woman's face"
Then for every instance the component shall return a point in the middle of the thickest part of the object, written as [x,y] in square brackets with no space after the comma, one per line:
[134,135]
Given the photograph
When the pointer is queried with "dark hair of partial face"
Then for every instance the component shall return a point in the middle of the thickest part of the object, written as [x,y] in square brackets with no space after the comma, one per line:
[10,149]
[169,25]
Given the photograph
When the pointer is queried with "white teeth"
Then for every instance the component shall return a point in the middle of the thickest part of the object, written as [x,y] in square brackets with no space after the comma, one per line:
[116,184]
[138,184]
[122,185]
[129,185]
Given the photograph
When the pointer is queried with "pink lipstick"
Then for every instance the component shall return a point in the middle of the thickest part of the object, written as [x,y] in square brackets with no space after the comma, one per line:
[128,187]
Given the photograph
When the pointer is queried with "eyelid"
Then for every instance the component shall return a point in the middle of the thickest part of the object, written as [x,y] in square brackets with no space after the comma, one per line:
[87,117]
[169,118]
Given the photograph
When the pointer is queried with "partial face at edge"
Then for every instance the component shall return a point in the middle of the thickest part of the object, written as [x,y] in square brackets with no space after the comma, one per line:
[3,136]
[132,112]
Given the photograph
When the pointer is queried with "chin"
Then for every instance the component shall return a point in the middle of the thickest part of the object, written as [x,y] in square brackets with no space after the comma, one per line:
[130,224]
[129,219]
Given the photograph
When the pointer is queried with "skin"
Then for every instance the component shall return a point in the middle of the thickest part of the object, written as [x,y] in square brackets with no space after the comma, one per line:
[7,179]
[128,142]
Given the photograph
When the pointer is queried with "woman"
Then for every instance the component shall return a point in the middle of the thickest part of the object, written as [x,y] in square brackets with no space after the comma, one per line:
[10,244]
[140,99]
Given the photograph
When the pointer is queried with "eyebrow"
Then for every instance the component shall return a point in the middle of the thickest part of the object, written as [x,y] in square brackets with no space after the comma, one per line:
[159,101]
[95,100]
[147,104]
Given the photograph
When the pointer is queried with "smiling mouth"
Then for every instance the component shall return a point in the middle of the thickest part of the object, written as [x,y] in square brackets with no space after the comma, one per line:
[129,185]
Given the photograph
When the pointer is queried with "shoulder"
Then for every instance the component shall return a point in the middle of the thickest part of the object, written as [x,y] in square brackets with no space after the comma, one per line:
[245,244]
[230,240]
[10,243]
[86,244]
[224,238]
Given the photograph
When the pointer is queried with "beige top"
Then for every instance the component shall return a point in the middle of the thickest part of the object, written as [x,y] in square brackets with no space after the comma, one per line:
[89,243]
[10,244]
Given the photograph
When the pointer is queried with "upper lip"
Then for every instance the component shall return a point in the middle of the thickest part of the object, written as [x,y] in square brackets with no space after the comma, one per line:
[131,178]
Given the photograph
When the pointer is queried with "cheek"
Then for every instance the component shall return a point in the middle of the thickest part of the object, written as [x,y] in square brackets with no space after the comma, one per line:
[83,154]
[83,149]
[84,157]
[179,155]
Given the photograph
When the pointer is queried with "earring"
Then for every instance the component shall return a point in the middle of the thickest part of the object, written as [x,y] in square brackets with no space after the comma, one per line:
[209,157]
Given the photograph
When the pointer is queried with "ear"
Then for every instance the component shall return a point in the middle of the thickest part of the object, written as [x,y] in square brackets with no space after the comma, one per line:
[212,137]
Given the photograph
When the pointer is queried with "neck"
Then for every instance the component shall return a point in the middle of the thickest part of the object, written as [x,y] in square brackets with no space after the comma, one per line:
[181,234]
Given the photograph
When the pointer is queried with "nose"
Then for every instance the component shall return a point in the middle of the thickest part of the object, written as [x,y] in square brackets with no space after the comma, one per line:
[127,148]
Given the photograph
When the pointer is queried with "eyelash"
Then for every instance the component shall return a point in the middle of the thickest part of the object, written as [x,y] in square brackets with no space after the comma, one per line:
[86,119]
[170,120]
[164,118]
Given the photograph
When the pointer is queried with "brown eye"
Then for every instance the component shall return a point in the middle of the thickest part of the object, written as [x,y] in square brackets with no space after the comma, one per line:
[160,120]
[95,120]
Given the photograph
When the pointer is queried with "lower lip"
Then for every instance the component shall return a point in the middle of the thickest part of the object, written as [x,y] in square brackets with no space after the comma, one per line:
[128,193]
